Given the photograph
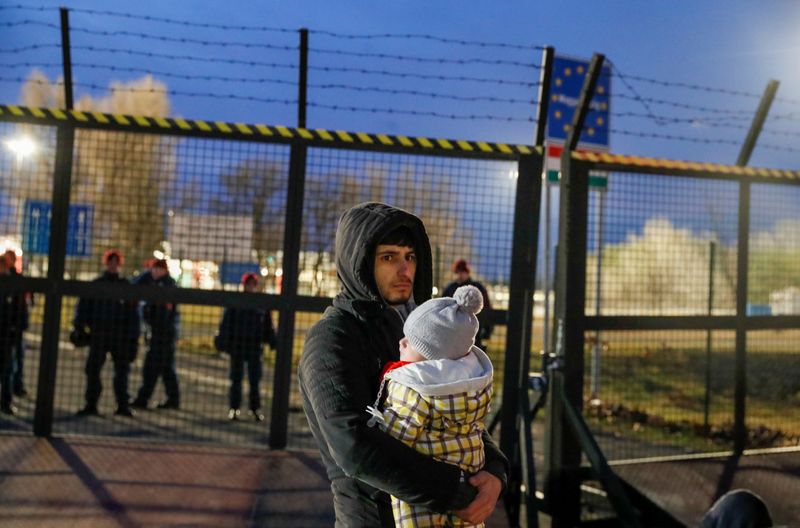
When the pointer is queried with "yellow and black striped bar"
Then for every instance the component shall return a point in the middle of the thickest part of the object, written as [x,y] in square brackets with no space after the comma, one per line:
[621,163]
[271,133]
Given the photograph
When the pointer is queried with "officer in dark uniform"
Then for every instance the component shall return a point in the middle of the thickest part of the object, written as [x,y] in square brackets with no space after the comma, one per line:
[242,333]
[18,347]
[162,324]
[11,320]
[113,326]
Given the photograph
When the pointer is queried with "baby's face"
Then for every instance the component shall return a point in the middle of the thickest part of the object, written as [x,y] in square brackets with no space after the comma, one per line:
[408,352]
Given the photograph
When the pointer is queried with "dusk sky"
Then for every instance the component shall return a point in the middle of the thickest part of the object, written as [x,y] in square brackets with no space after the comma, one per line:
[735,45]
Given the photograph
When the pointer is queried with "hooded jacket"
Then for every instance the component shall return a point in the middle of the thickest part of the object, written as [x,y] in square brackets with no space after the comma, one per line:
[339,375]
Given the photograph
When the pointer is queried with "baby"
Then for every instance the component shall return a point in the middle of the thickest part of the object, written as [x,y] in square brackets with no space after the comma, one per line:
[438,394]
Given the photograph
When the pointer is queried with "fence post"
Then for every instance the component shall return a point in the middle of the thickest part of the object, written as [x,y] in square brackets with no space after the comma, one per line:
[302,84]
[51,325]
[742,262]
[291,256]
[707,400]
[562,448]
[520,318]
[66,58]
[740,368]
[758,123]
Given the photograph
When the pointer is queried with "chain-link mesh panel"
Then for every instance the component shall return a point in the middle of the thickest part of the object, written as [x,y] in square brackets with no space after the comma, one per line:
[214,209]
[27,155]
[657,238]
[467,207]
[179,377]
[773,388]
[660,393]
[299,434]
[774,260]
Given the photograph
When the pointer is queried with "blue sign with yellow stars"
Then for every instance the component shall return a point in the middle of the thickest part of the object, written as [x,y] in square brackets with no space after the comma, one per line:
[565,90]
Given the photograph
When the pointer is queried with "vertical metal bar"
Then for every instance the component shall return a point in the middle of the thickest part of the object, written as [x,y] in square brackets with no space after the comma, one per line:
[66,58]
[707,400]
[742,268]
[562,448]
[598,347]
[544,94]
[520,317]
[587,92]
[743,254]
[302,84]
[758,123]
[291,255]
[546,268]
[51,325]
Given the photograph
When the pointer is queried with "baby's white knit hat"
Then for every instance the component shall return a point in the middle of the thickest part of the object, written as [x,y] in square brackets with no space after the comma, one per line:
[445,328]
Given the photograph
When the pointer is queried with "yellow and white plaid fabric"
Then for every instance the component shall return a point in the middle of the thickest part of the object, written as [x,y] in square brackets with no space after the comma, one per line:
[447,428]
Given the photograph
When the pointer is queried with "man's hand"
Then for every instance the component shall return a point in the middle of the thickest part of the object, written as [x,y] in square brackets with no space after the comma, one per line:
[489,488]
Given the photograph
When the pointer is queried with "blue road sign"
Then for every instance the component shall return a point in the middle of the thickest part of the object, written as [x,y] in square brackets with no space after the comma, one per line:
[36,228]
[231,272]
[565,90]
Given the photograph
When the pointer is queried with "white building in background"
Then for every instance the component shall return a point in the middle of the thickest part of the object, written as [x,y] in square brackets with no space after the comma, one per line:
[785,302]
[215,238]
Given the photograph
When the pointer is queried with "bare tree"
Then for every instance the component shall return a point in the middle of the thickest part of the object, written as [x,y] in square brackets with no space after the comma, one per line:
[253,187]
[123,175]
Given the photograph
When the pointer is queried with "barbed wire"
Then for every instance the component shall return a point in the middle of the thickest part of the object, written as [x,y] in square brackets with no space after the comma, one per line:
[433,95]
[162,38]
[415,75]
[168,56]
[430,60]
[419,113]
[684,106]
[184,93]
[184,23]
[432,38]
[705,141]
[701,122]
[185,76]
[31,47]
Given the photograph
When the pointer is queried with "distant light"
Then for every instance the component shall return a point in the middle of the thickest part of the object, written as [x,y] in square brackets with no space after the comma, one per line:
[513,174]
[435,291]
[158,254]
[22,146]
[264,272]
[279,272]
[170,213]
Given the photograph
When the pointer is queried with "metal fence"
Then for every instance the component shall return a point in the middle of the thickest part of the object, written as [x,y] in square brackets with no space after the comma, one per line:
[216,200]
[676,292]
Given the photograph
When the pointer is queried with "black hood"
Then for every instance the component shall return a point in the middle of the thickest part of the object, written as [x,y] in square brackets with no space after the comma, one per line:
[360,230]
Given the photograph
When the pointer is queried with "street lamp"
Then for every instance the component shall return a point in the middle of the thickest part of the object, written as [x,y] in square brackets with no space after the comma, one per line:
[22,147]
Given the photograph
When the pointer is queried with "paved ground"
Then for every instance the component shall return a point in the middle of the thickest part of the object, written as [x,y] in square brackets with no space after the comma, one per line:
[687,488]
[99,483]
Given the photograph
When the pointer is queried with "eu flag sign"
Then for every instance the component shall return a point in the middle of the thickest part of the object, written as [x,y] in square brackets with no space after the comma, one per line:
[565,90]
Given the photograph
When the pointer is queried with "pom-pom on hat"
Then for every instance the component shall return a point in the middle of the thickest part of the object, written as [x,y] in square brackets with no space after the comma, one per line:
[445,328]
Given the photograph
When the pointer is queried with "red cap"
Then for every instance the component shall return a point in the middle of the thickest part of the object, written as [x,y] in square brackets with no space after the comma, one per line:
[160,263]
[249,276]
[113,253]
[460,266]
